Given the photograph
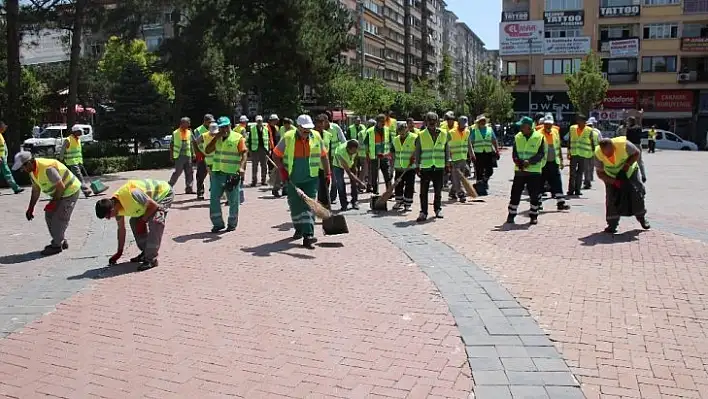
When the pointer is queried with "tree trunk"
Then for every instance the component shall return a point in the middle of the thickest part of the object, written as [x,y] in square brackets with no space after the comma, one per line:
[74,59]
[13,136]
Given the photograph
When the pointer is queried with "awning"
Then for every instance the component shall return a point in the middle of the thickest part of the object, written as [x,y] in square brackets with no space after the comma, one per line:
[340,115]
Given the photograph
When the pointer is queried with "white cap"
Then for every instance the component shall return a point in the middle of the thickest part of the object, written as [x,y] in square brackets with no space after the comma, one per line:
[591,121]
[541,121]
[213,127]
[273,117]
[480,117]
[259,118]
[76,128]
[243,118]
[304,121]
[549,119]
[21,158]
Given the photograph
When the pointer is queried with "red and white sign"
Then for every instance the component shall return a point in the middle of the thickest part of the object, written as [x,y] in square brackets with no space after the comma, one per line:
[514,38]
[624,48]
[673,100]
[620,99]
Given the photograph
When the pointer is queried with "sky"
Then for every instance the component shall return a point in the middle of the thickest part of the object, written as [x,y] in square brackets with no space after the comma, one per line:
[482,16]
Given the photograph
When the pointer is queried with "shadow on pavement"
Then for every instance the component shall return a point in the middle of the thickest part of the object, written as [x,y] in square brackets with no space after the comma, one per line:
[287,226]
[20,258]
[186,201]
[602,238]
[409,223]
[188,207]
[280,246]
[205,237]
[330,245]
[511,227]
[107,271]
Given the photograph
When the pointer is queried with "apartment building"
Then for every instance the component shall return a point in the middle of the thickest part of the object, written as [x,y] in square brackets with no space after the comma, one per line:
[654,55]
[464,47]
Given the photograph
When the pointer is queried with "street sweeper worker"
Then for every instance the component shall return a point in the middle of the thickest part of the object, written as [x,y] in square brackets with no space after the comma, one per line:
[459,149]
[404,163]
[53,178]
[343,163]
[551,172]
[146,203]
[299,155]
[485,151]
[529,154]
[433,156]
[72,155]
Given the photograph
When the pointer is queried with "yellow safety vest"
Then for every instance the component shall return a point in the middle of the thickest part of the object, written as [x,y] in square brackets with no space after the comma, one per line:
[227,158]
[240,129]
[404,150]
[445,127]
[555,143]
[177,143]
[71,184]
[482,143]
[361,136]
[354,131]
[613,167]
[371,134]
[316,146]
[334,137]
[581,145]
[432,154]
[155,189]
[253,140]
[3,150]
[73,154]
[201,130]
[203,143]
[652,134]
[459,144]
[527,148]
[341,151]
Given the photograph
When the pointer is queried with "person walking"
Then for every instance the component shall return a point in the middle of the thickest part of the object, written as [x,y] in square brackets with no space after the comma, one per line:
[72,156]
[259,146]
[652,139]
[182,151]
[589,172]
[54,179]
[6,172]
[343,162]
[459,149]
[529,153]
[485,151]
[378,144]
[274,132]
[202,142]
[228,170]
[299,155]
[242,126]
[433,156]
[404,147]
[332,136]
[199,145]
[579,153]
[551,171]
[146,202]
[279,189]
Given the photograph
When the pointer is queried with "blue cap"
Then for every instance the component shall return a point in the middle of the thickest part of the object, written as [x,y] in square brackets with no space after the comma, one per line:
[223,121]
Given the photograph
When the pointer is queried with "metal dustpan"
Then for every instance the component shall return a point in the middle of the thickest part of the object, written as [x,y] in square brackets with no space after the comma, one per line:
[376,205]
[335,225]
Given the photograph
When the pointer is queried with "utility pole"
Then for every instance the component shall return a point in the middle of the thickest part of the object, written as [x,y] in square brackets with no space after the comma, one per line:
[360,5]
[425,37]
[407,46]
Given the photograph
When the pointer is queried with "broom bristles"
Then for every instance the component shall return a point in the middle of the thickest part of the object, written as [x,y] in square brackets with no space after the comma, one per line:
[316,208]
[272,177]
[388,193]
[469,188]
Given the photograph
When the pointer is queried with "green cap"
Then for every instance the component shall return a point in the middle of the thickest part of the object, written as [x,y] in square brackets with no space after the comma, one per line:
[525,121]
[223,121]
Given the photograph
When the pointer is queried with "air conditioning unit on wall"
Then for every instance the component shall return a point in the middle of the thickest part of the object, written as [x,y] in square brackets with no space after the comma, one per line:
[684,77]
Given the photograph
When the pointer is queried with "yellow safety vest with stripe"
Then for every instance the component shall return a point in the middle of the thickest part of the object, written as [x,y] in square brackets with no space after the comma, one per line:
[71,184]
[404,150]
[227,158]
[177,143]
[155,189]
[354,131]
[361,136]
[445,127]
[581,145]
[253,139]
[482,143]
[73,154]
[459,144]
[556,143]
[613,167]
[371,134]
[3,150]
[333,138]
[203,143]
[432,154]
[315,159]
[341,153]
[527,148]
[201,130]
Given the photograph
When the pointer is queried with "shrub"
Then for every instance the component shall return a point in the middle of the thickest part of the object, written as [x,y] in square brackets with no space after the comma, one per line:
[101,149]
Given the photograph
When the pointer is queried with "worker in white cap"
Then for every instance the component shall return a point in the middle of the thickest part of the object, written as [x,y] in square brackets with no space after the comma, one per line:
[53,178]
[259,143]
[589,173]
[242,125]
[551,172]
[273,127]
[72,156]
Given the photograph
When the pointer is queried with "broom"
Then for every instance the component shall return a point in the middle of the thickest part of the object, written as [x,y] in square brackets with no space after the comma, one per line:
[389,192]
[469,188]
[316,208]
[273,177]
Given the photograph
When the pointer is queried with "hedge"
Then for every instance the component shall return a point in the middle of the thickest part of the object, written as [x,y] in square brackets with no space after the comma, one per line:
[100,166]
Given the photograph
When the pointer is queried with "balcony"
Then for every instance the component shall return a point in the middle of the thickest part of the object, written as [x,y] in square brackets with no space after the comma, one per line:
[520,79]
[621,78]
[695,6]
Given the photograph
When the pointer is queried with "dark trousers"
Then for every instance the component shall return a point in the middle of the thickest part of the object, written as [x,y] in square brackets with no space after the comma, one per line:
[577,171]
[201,176]
[652,146]
[484,166]
[323,190]
[532,182]
[341,187]
[406,187]
[426,177]
[376,165]
[551,175]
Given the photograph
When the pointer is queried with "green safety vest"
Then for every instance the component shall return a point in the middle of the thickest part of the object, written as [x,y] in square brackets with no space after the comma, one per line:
[316,146]
[253,140]
[361,136]
[227,158]
[459,145]
[432,154]
[202,130]
[177,143]
[527,148]
[3,150]
[404,151]
[580,146]
[354,131]
[334,138]
[73,154]
[341,151]
[371,134]
[482,143]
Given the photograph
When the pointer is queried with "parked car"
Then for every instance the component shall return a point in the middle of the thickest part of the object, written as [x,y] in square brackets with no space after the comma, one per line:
[51,139]
[161,142]
[666,140]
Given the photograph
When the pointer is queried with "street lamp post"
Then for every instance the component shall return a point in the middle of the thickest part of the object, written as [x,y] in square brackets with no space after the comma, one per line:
[528,76]
[360,6]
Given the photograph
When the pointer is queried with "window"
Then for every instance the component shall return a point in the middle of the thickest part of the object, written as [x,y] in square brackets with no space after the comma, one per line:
[373,7]
[694,30]
[616,3]
[695,6]
[608,32]
[560,5]
[559,31]
[672,137]
[373,51]
[660,2]
[659,64]
[371,28]
[511,68]
[620,66]
[561,66]
[661,31]
[153,43]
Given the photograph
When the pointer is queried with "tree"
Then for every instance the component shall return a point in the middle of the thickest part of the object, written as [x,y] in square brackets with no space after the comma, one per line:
[140,111]
[587,87]
[421,99]
[32,93]
[491,97]
[11,27]
[445,78]
[371,97]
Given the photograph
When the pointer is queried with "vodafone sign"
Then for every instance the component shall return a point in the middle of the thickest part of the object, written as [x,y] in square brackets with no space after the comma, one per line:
[514,37]
[621,99]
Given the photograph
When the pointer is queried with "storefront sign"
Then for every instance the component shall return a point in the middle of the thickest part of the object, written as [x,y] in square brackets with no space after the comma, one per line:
[564,18]
[567,45]
[673,100]
[543,101]
[622,11]
[624,48]
[694,44]
[608,115]
[620,99]
[514,16]
[520,38]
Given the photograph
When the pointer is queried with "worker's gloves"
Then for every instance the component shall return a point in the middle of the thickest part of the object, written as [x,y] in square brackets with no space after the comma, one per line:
[50,207]
[141,227]
[283,175]
[29,214]
[114,259]
[617,184]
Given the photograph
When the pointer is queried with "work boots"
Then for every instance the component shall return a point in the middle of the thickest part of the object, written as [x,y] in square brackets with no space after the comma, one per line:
[643,221]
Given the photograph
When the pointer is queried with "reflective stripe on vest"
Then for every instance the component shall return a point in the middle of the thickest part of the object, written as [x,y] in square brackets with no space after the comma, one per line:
[315,159]
[334,138]
[227,158]
[371,134]
[3,152]
[482,143]
[432,154]
[201,130]
[71,184]
[404,151]
[253,140]
[177,143]
[621,156]
[73,154]
[155,189]
[361,136]
[341,151]
[459,144]
[203,143]
[527,148]
[581,146]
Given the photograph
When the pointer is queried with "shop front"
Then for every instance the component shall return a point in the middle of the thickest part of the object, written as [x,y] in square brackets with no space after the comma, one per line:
[554,102]
[671,110]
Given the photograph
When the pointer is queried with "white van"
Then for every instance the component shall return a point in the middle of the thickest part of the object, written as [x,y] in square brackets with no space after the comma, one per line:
[51,139]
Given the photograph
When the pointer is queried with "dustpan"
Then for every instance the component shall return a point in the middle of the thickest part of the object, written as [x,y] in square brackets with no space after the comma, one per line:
[96,185]
[335,224]
[377,205]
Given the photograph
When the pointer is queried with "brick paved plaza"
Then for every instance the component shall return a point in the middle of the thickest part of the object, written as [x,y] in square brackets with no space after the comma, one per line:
[454,308]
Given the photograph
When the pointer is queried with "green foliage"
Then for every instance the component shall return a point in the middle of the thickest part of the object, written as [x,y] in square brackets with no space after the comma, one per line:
[32,92]
[104,149]
[143,161]
[587,87]
[420,100]
[445,77]
[371,97]
[491,97]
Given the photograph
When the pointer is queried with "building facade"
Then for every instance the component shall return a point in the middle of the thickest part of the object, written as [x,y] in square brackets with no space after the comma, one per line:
[654,55]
